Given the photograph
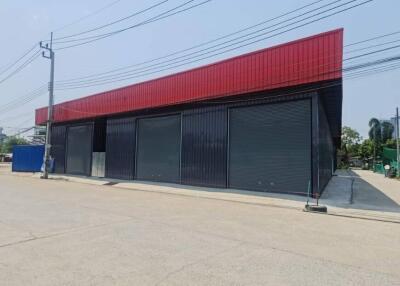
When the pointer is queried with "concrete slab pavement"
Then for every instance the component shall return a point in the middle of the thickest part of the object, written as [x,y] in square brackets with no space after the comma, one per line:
[154,238]
[337,195]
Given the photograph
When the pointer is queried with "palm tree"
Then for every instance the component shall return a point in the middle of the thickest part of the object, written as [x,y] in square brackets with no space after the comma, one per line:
[375,133]
[387,131]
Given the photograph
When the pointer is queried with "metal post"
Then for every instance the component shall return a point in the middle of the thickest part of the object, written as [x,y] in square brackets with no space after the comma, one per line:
[397,142]
[50,108]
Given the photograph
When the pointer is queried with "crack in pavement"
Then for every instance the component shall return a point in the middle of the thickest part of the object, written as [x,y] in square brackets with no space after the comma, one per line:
[68,231]
[183,267]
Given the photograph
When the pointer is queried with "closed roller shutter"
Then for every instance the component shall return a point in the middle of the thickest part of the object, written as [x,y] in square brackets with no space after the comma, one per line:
[158,150]
[58,148]
[270,147]
[120,148]
[79,149]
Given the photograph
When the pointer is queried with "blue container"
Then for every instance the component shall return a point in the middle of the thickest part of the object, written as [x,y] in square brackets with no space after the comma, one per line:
[27,158]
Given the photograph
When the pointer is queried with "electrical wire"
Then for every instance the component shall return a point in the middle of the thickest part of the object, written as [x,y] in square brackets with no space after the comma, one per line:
[20,101]
[372,39]
[9,66]
[202,44]
[23,131]
[128,74]
[142,73]
[194,53]
[22,115]
[153,19]
[21,67]
[372,53]
[301,91]
[238,38]
[372,46]
[87,16]
[113,22]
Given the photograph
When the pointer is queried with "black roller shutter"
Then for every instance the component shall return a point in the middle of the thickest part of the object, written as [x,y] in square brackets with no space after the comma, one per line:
[270,147]
[57,152]
[204,146]
[120,148]
[79,149]
[158,150]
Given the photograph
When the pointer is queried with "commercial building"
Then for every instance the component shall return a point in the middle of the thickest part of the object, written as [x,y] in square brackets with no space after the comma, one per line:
[266,121]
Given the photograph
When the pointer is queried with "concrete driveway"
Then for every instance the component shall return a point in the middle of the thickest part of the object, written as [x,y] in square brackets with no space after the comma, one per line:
[63,233]
[364,191]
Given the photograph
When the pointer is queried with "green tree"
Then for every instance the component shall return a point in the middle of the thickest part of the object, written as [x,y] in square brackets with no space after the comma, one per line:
[375,131]
[9,142]
[375,134]
[350,136]
[366,150]
[387,131]
[350,143]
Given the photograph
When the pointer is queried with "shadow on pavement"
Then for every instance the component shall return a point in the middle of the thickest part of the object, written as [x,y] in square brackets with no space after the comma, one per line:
[368,197]
[350,190]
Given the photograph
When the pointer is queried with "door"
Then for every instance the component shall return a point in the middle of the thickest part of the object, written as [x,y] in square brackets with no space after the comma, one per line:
[120,148]
[158,149]
[57,150]
[270,147]
[79,149]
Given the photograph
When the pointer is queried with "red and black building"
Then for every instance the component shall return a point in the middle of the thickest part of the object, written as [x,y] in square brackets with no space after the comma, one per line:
[265,121]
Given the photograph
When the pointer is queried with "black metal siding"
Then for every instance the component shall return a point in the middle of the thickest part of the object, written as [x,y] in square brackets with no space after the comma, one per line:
[79,149]
[204,146]
[58,141]
[270,147]
[120,148]
[158,149]
[326,149]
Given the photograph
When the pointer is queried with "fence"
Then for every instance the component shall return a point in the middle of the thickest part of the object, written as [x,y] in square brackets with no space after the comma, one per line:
[27,158]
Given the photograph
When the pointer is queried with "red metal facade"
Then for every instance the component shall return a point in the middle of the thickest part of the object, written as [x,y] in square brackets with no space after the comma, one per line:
[307,60]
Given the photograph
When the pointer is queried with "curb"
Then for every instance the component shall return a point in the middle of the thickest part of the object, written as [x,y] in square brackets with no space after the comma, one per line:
[237,197]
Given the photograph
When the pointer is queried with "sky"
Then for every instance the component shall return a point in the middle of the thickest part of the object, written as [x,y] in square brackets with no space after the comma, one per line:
[24,23]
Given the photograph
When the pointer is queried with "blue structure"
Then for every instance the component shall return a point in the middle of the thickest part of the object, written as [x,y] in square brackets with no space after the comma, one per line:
[27,158]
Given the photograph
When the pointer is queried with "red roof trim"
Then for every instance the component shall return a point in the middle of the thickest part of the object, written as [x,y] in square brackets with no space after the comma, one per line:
[278,66]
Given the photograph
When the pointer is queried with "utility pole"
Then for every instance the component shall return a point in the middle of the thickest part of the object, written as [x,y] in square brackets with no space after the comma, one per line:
[50,107]
[397,142]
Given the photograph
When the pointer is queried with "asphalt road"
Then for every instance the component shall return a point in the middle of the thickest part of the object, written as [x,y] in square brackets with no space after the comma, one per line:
[63,233]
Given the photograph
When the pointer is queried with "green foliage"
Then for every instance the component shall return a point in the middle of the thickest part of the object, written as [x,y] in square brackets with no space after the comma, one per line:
[387,131]
[366,149]
[350,144]
[390,143]
[375,131]
[9,142]
[350,136]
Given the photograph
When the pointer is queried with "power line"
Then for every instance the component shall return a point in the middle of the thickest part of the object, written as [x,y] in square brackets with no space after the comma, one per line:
[114,22]
[372,39]
[372,46]
[238,38]
[373,52]
[21,67]
[202,44]
[153,19]
[22,115]
[23,131]
[20,101]
[9,66]
[174,60]
[348,69]
[149,20]
[87,16]
[303,90]
[188,61]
